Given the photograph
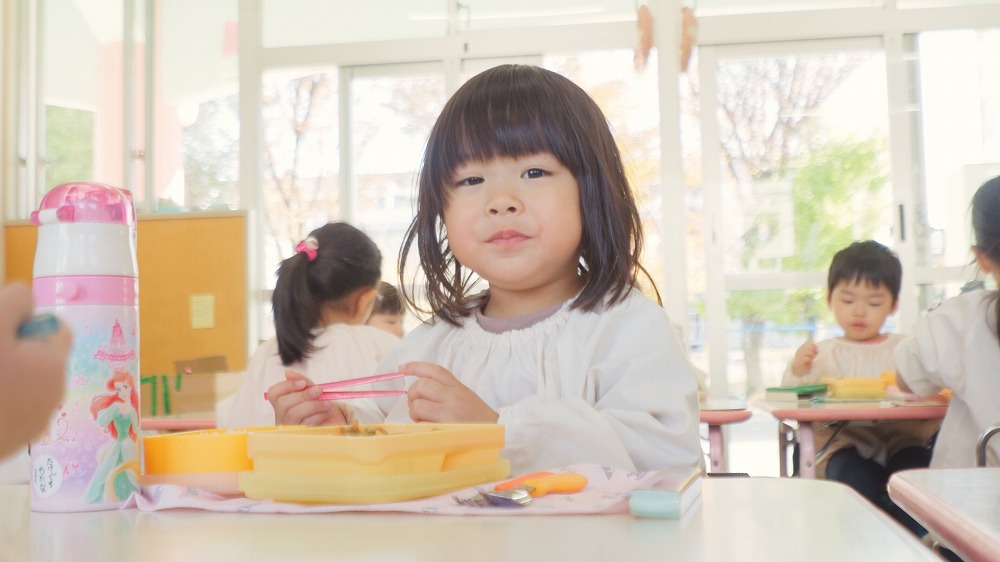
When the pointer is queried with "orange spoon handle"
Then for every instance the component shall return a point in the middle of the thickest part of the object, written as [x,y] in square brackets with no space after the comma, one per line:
[519,481]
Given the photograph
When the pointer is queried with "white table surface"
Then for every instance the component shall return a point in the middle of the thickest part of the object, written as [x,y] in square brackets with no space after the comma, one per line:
[737,519]
[959,506]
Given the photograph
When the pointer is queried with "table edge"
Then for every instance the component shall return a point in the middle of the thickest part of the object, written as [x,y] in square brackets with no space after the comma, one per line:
[918,503]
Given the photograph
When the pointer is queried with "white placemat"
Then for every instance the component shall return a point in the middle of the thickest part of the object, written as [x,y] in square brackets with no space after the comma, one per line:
[607,491]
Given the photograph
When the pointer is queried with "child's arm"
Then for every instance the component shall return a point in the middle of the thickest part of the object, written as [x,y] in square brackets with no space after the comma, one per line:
[901,384]
[803,360]
[933,357]
[32,372]
[800,367]
[296,402]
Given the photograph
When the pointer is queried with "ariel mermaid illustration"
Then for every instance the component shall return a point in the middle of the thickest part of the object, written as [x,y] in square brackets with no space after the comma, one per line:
[117,474]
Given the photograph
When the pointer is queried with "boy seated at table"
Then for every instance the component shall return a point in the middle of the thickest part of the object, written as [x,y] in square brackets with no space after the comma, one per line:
[862,291]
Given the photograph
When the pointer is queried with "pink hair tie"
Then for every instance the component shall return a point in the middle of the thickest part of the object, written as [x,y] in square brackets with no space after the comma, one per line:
[308,247]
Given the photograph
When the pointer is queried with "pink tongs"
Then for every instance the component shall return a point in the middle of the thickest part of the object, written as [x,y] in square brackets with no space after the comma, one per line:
[330,394]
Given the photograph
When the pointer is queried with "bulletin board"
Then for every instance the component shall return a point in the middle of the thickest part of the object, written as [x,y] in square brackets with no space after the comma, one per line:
[180,256]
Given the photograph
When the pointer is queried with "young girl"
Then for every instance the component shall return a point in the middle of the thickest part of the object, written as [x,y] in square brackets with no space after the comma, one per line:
[956,346]
[523,187]
[863,286]
[322,297]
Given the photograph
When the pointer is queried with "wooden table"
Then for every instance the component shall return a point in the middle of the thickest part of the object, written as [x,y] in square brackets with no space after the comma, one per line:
[958,506]
[796,419]
[813,520]
[716,414]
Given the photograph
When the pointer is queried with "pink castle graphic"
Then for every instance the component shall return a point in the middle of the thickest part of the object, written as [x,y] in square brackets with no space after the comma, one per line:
[117,350]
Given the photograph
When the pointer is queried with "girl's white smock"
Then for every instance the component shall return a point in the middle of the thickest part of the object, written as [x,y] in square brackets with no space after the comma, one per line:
[343,351]
[609,387]
[955,346]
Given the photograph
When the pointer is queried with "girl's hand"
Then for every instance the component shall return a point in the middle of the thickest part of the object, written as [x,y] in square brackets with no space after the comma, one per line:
[803,361]
[296,402]
[438,397]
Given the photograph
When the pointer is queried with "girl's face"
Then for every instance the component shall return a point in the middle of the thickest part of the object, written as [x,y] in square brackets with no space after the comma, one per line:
[516,222]
[124,389]
[861,309]
[392,323]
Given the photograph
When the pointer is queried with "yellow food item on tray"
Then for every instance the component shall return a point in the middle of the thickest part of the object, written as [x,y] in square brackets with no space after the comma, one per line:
[859,388]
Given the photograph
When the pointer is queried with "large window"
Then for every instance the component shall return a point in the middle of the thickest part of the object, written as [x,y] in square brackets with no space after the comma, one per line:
[629,101]
[783,141]
[801,171]
[300,158]
[954,77]
[194,163]
[80,95]
[392,112]
[162,122]
[320,164]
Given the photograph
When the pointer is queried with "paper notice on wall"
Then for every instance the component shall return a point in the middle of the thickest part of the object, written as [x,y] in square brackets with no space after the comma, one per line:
[202,311]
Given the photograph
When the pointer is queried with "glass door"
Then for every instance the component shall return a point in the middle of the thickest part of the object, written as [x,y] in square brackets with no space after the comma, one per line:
[342,143]
[392,110]
[795,167]
[952,80]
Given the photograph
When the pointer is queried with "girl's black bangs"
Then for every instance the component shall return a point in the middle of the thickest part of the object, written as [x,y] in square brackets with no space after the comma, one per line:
[500,132]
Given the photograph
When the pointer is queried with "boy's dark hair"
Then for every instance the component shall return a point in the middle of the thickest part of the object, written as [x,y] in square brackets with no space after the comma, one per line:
[869,262]
[986,227]
[514,111]
[346,259]
[388,301]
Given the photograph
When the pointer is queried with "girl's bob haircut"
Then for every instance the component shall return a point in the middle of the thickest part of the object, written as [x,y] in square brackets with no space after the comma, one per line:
[514,111]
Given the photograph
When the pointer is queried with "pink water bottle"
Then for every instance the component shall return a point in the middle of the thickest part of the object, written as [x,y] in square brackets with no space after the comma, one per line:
[85,273]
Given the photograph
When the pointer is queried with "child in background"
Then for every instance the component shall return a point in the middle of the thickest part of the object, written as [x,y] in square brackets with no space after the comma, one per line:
[322,297]
[523,186]
[388,311]
[862,291]
[956,346]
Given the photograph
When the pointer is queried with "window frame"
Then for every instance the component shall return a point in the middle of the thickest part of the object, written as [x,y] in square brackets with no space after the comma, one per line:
[23,144]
